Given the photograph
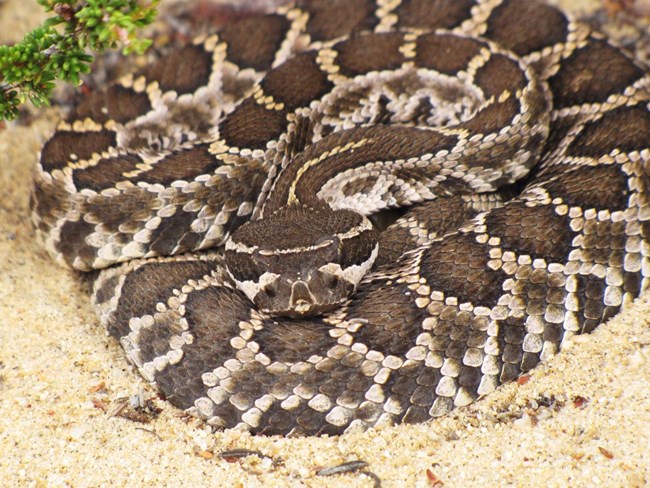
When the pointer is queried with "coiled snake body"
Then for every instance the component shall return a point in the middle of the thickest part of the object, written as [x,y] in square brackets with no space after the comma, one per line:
[514,139]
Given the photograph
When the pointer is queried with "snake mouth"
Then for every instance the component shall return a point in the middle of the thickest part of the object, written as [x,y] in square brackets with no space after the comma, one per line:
[302,307]
[303,310]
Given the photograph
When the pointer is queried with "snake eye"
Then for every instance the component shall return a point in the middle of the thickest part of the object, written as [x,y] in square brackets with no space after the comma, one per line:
[333,282]
[270,291]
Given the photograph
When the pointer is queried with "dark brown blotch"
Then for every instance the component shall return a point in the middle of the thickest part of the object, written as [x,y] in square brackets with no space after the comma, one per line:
[72,244]
[332,19]
[357,249]
[603,187]
[458,266]
[593,73]
[373,52]
[392,321]
[92,106]
[270,232]
[166,238]
[446,53]
[148,285]
[183,164]
[49,200]
[254,40]
[625,129]
[183,70]
[251,126]
[437,217]
[291,341]
[494,116]
[632,283]
[426,380]
[209,325]
[63,145]
[590,302]
[106,291]
[359,186]
[535,231]
[278,421]
[525,27]
[433,14]
[499,74]
[154,341]
[190,241]
[105,173]
[604,242]
[297,82]
[124,104]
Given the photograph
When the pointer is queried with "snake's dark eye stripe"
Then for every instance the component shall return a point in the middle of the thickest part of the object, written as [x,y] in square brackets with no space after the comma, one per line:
[333,282]
[242,266]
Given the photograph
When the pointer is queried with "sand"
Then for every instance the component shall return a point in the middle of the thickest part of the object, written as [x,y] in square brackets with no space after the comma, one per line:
[583,419]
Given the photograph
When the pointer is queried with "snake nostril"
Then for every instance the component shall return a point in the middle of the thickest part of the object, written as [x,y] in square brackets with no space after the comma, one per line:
[270,291]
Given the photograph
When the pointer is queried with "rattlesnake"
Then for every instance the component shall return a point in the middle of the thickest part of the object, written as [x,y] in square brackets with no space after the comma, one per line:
[514,139]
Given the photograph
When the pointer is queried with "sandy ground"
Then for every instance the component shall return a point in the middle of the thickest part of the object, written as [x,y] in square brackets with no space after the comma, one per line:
[581,420]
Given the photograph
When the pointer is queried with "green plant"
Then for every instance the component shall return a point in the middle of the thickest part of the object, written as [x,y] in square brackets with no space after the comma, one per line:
[58,50]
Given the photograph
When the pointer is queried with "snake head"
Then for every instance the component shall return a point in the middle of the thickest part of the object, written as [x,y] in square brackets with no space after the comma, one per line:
[301,261]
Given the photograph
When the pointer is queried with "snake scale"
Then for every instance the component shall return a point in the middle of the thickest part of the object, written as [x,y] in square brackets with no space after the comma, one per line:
[233,193]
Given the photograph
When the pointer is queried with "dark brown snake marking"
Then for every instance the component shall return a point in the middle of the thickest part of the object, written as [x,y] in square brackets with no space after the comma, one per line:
[467,293]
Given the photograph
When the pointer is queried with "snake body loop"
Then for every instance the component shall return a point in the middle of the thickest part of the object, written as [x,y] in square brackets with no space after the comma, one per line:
[230,194]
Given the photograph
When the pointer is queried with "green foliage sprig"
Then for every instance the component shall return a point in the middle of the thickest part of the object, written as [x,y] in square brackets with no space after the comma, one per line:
[58,50]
